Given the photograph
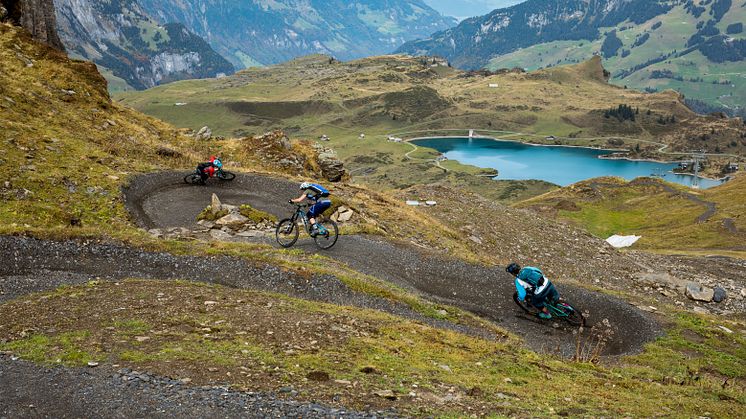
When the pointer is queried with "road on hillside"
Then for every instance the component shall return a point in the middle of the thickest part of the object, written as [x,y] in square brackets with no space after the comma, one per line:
[162,200]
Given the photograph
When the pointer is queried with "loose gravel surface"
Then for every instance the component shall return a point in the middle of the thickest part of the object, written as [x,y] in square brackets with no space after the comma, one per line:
[483,290]
[28,390]
[163,200]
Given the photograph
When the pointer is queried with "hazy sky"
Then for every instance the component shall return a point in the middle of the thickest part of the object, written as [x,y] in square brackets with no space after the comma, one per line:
[462,9]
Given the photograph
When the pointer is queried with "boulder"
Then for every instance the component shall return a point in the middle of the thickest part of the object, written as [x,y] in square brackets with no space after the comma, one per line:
[344,217]
[215,206]
[220,235]
[699,292]
[232,220]
[206,224]
[205,133]
[719,295]
[331,167]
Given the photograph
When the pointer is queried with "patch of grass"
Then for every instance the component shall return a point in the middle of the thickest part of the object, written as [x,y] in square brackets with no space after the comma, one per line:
[68,348]
[261,342]
[131,327]
[665,220]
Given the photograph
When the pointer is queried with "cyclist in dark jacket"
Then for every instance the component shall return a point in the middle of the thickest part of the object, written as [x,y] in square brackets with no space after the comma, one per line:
[207,169]
[320,197]
[531,282]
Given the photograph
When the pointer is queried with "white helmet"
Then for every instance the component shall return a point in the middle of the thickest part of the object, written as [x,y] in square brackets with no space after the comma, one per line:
[305,185]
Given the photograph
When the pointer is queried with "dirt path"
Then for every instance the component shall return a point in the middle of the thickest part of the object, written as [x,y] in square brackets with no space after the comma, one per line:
[482,290]
[28,390]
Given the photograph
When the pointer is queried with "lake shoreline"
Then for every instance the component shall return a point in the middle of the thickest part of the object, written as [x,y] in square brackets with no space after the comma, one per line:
[598,149]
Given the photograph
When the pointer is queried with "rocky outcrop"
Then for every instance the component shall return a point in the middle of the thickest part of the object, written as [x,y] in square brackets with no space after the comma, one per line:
[37,16]
[332,169]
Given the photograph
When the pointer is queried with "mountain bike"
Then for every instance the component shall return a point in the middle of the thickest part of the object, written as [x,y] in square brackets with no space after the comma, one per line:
[195,178]
[287,230]
[559,310]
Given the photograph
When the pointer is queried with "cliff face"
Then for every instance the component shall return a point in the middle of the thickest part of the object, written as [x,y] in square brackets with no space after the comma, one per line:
[36,16]
[139,53]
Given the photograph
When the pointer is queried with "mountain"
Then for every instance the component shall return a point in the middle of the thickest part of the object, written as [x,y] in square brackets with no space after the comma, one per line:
[697,48]
[133,49]
[260,32]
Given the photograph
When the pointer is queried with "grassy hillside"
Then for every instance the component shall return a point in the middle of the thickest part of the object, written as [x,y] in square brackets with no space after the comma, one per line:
[654,55]
[411,97]
[667,216]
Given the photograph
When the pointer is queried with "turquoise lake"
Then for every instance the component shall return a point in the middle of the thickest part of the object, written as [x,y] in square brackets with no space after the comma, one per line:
[559,165]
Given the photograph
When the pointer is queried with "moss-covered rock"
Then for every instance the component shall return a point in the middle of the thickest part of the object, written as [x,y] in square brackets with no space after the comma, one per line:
[256,216]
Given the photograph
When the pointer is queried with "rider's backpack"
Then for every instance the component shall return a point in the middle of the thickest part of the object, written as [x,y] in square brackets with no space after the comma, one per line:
[320,190]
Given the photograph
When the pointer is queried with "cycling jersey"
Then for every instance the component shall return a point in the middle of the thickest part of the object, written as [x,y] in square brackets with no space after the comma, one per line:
[531,280]
[316,193]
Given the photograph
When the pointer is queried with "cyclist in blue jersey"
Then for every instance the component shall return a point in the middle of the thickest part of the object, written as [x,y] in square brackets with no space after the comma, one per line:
[321,202]
[531,282]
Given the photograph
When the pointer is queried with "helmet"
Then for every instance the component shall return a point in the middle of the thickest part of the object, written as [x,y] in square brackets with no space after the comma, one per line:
[217,163]
[305,185]
[513,269]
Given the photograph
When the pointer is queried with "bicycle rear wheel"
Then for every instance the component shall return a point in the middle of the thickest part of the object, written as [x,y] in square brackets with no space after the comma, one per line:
[572,315]
[193,179]
[525,306]
[326,241]
[225,175]
[286,233]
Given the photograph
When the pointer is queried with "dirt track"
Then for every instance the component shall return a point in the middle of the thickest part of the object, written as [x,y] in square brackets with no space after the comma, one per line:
[162,200]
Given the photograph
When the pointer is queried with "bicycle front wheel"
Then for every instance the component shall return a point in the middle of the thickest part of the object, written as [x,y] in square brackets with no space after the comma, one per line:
[286,233]
[525,306]
[326,241]
[225,175]
[572,314]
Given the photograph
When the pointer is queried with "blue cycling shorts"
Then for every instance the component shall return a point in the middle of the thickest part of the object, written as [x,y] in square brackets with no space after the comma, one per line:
[318,208]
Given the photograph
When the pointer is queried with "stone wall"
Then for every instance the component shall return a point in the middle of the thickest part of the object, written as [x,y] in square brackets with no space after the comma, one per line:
[37,16]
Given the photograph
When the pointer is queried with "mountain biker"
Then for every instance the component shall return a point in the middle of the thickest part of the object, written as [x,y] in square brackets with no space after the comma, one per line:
[319,195]
[531,282]
[207,169]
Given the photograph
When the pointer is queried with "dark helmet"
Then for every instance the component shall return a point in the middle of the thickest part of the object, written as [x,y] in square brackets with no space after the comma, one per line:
[513,269]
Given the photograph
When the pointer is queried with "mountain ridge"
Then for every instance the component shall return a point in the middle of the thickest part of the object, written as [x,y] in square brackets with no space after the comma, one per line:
[260,33]
[655,45]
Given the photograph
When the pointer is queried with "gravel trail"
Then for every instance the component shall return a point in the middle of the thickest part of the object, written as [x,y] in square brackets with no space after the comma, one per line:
[162,200]
[28,390]
[482,290]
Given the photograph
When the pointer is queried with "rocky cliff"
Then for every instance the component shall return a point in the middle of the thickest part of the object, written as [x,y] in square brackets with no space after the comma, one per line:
[139,53]
[252,32]
[37,16]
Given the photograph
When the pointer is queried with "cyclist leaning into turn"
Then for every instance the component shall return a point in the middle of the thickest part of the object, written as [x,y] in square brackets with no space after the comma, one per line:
[320,197]
[531,282]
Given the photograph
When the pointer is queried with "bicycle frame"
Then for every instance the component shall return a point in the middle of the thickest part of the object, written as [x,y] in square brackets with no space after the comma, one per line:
[302,214]
[556,311]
